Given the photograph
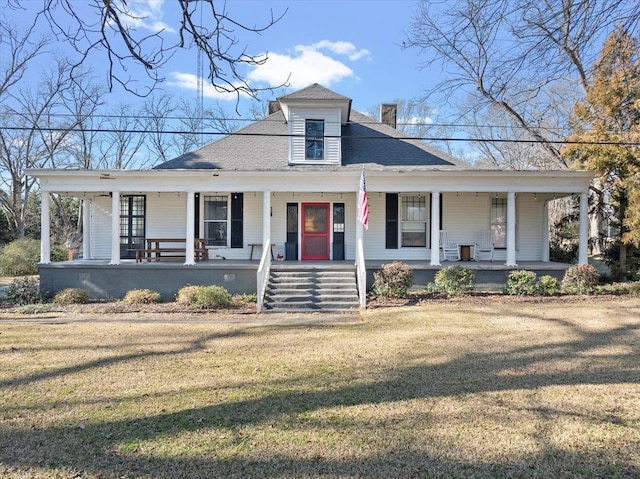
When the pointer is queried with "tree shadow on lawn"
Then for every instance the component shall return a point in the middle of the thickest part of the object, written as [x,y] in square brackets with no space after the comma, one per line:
[96,448]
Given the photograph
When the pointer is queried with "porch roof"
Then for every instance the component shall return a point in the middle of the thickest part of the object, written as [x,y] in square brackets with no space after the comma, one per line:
[389,180]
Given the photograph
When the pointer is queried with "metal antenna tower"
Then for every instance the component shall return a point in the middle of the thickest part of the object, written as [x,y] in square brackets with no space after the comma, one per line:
[200,88]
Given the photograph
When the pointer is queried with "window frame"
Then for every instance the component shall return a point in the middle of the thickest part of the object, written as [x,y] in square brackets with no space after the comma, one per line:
[314,142]
[226,221]
[402,221]
[504,224]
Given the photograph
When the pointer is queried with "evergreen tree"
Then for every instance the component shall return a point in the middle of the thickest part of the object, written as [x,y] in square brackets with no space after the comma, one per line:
[607,127]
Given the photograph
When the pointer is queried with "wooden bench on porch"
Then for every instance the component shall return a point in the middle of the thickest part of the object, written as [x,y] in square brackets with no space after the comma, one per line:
[156,247]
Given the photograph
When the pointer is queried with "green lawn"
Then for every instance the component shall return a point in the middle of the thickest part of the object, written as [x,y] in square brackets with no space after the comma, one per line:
[488,388]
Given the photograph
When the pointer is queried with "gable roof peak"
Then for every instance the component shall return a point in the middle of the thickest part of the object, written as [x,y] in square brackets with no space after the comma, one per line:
[317,95]
[314,92]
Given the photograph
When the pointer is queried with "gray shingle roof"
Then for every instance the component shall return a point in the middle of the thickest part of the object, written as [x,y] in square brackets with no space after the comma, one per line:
[314,92]
[264,146]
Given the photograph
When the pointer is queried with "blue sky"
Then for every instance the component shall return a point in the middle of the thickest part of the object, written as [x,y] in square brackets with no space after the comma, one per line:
[350,46]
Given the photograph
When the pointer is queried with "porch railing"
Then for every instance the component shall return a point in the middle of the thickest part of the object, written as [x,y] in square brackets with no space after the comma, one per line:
[263,273]
[361,273]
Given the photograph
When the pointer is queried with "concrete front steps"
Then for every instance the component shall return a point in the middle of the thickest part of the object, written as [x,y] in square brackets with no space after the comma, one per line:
[311,289]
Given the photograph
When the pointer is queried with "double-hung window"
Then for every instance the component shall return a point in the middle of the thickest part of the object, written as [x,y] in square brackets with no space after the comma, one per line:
[414,221]
[216,220]
[499,222]
[314,139]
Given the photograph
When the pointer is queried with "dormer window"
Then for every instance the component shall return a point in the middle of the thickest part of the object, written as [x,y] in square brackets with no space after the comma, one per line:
[314,139]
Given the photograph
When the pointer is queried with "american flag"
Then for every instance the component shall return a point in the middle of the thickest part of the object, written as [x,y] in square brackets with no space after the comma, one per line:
[363,207]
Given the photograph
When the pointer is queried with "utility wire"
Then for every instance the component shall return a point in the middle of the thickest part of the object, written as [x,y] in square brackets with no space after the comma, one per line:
[354,137]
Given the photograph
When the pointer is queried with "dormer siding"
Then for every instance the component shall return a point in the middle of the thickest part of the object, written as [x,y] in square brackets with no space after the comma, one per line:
[332,141]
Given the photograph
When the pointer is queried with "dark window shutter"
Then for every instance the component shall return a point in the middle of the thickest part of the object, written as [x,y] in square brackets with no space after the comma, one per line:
[237,240]
[392,221]
[196,215]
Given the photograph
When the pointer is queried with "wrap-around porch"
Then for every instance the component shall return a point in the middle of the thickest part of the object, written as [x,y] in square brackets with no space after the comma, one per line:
[228,219]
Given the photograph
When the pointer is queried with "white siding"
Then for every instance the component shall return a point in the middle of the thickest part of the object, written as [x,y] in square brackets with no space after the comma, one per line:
[332,146]
[101,228]
[166,215]
[464,215]
[530,223]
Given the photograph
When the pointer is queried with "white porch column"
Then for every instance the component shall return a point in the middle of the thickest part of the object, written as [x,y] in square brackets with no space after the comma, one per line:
[266,220]
[86,229]
[584,229]
[190,234]
[511,229]
[115,227]
[545,232]
[45,229]
[435,228]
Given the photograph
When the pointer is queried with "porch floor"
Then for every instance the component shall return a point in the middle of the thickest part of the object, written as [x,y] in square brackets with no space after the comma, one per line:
[371,264]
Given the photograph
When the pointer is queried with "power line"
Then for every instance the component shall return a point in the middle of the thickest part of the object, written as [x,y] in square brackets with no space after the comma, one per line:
[354,137]
[407,123]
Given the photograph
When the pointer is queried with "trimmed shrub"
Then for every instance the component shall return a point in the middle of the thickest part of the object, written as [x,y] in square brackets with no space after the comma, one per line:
[392,280]
[57,254]
[250,298]
[581,279]
[21,257]
[455,280]
[38,308]
[188,294]
[23,291]
[548,286]
[213,297]
[520,283]
[141,296]
[71,296]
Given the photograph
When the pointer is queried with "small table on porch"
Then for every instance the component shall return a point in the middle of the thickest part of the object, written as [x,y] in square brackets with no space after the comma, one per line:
[259,245]
[466,251]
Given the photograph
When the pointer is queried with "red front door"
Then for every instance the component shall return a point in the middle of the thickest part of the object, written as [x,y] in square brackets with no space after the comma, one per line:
[315,231]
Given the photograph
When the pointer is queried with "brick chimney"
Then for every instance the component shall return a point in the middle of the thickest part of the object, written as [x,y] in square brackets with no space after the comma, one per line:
[274,106]
[388,113]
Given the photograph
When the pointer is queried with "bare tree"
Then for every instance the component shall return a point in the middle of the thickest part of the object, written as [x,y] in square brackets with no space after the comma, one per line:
[159,140]
[522,58]
[199,126]
[19,49]
[132,49]
[121,145]
[31,137]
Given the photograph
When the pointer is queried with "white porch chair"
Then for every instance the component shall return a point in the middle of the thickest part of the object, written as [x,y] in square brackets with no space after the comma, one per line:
[449,250]
[484,246]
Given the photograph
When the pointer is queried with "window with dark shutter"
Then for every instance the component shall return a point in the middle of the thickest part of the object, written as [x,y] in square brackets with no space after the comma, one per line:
[237,239]
[392,221]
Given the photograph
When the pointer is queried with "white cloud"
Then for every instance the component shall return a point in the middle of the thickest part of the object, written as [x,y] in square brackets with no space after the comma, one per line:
[146,14]
[309,64]
[316,63]
[189,81]
[347,49]
[417,120]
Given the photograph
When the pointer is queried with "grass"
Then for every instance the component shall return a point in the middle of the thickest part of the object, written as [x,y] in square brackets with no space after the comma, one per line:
[450,389]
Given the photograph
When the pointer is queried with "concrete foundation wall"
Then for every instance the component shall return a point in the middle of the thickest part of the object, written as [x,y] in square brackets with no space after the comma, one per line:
[108,282]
